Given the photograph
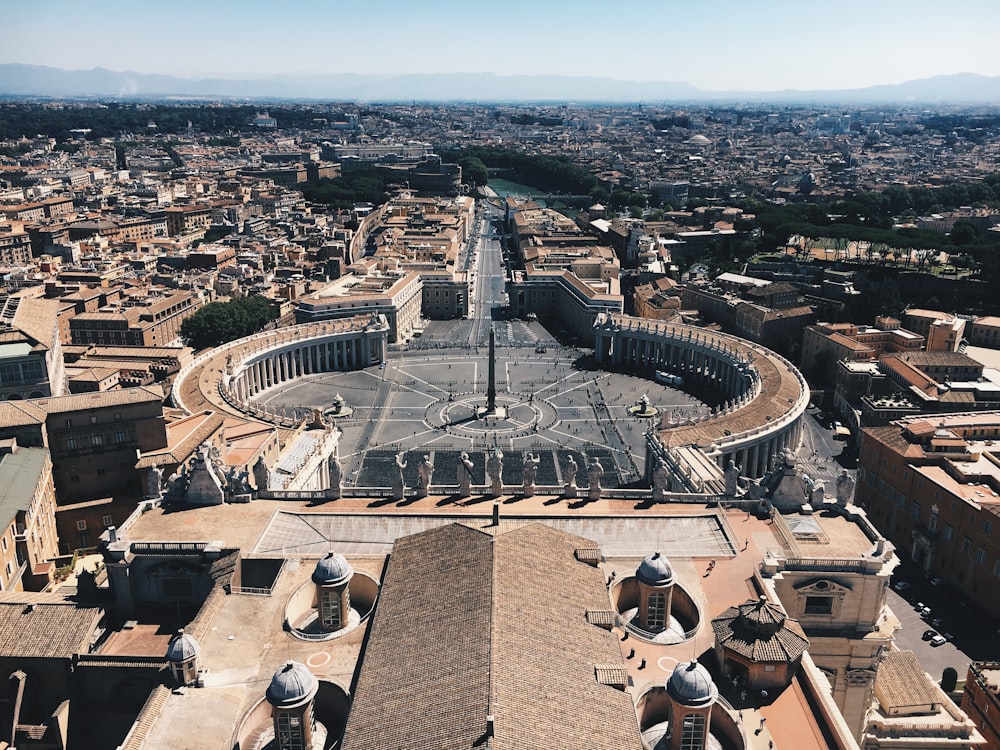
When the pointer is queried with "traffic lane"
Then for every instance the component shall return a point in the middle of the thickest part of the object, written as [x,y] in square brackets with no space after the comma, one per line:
[934,659]
[974,631]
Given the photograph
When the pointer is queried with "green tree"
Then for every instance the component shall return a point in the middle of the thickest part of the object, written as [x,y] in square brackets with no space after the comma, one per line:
[219,322]
[964,233]
[474,172]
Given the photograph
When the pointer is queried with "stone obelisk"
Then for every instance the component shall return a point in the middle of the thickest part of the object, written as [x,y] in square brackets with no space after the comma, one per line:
[491,388]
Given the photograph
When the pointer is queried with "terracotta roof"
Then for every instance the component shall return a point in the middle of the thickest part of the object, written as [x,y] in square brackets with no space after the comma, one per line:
[475,621]
[124,397]
[33,627]
[760,631]
[901,682]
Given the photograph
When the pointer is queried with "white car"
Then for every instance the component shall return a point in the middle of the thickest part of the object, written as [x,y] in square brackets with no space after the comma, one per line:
[938,640]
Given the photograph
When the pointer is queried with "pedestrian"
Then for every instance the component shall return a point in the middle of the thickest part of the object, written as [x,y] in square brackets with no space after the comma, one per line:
[763,696]
[762,722]
[746,543]
[743,696]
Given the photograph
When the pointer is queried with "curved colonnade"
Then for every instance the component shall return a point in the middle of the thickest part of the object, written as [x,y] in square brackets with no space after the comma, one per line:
[764,395]
[231,376]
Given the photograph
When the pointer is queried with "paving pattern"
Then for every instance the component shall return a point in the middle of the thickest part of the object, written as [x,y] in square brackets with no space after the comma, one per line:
[314,534]
[425,403]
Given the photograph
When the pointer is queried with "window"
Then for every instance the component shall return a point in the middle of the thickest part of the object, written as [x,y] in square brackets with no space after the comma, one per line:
[987,527]
[290,731]
[966,544]
[97,439]
[118,416]
[932,522]
[93,419]
[120,436]
[107,520]
[949,531]
[819,605]
[656,612]
[329,608]
[69,422]
[981,555]
[915,510]
[71,443]
[81,525]
[693,732]
[996,567]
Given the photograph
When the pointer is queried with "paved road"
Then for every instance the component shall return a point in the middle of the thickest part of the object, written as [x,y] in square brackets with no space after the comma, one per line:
[488,276]
[974,632]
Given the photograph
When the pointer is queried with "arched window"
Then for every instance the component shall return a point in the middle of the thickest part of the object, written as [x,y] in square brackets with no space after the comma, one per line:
[656,611]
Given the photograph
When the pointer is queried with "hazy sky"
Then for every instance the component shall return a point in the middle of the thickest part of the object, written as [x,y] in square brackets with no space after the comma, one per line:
[717,45]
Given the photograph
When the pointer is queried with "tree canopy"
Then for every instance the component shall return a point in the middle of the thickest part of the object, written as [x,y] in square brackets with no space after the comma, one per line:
[219,322]
[555,173]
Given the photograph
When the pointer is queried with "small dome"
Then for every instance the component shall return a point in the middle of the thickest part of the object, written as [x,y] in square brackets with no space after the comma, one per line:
[182,647]
[761,618]
[332,569]
[692,685]
[655,571]
[291,684]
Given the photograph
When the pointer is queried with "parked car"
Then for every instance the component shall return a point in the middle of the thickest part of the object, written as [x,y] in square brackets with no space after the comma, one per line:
[937,622]
[935,581]
[938,641]
[947,636]
[901,586]
[928,634]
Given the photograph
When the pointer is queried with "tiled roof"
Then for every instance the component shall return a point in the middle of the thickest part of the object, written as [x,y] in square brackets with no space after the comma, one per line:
[490,621]
[124,397]
[760,632]
[901,682]
[31,627]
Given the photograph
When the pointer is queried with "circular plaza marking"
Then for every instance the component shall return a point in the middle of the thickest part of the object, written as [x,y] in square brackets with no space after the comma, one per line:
[666,663]
[319,659]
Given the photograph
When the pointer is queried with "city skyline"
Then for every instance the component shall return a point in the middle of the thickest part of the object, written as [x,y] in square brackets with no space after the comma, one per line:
[737,48]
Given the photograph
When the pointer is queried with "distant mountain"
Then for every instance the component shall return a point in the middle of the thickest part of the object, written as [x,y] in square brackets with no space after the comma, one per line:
[36,80]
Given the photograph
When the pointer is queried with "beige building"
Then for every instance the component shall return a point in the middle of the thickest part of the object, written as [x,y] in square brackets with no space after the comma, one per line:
[150,320]
[28,543]
[367,290]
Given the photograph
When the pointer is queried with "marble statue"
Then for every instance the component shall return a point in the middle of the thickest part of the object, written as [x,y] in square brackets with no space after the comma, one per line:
[261,475]
[569,473]
[595,472]
[465,475]
[530,470]
[154,483]
[845,488]
[494,468]
[425,471]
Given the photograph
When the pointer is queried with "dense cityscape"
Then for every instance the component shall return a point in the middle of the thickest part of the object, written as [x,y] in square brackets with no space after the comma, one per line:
[366,425]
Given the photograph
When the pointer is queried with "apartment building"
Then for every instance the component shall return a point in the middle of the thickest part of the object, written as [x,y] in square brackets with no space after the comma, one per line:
[933,487]
[153,319]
